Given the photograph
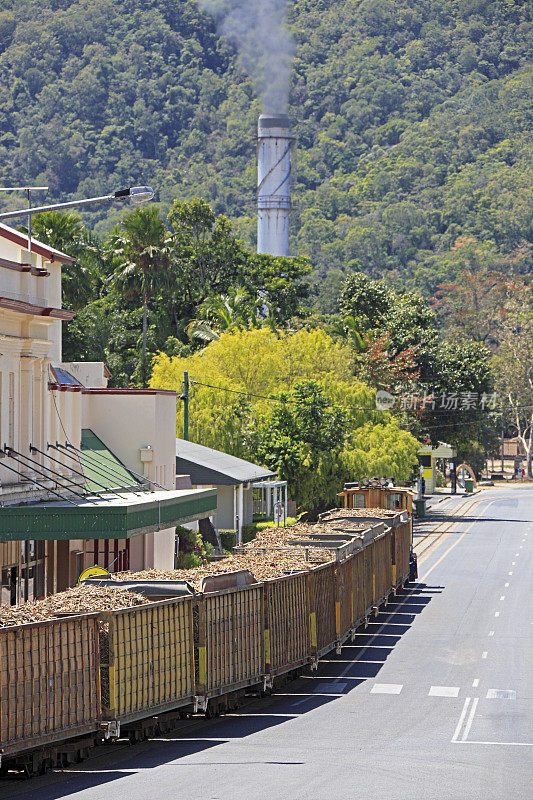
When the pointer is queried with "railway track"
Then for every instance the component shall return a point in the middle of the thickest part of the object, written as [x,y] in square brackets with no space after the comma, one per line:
[432,538]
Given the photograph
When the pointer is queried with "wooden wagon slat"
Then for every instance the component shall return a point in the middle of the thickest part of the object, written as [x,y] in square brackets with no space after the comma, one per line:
[47,670]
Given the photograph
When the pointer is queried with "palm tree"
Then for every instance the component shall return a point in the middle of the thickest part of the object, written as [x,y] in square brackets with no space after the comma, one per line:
[81,281]
[234,311]
[140,248]
[352,329]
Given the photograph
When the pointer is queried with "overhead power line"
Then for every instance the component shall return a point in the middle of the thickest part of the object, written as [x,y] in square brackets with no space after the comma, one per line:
[271,399]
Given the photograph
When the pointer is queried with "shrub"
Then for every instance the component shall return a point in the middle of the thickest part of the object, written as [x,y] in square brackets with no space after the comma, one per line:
[228,539]
[193,551]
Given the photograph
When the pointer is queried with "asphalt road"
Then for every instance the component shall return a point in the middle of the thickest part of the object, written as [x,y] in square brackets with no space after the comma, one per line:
[434,700]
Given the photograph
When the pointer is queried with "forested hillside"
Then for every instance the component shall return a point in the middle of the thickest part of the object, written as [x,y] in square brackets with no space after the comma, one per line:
[411,118]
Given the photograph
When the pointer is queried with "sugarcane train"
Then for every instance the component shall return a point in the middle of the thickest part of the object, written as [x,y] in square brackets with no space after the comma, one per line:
[67,684]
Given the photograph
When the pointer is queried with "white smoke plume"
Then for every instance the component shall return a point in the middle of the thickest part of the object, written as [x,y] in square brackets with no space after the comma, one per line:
[256,28]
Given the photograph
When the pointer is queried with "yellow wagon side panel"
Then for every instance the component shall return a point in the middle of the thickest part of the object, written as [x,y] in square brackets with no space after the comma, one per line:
[231,639]
[287,622]
[151,660]
[49,681]
[322,605]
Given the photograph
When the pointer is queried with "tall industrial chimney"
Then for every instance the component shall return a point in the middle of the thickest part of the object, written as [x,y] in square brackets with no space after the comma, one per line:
[273,184]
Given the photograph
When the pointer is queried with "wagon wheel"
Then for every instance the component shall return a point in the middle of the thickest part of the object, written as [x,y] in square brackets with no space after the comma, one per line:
[45,766]
[135,736]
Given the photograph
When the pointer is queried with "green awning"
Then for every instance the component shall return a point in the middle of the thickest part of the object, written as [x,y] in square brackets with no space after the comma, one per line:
[109,517]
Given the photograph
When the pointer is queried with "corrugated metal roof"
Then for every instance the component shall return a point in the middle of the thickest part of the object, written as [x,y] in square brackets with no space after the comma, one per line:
[207,466]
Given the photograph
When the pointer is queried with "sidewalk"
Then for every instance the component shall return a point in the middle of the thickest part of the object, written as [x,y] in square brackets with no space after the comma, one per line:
[432,500]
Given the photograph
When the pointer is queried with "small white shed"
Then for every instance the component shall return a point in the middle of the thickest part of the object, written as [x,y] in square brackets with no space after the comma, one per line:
[234,478]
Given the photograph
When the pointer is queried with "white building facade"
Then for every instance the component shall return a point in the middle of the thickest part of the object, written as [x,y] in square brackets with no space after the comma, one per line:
[53,486]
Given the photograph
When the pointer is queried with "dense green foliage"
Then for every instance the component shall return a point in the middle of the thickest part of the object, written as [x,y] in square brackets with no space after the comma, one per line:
[161,279]
[141,289]
[290,401]
[412,169]
[80,281]
[513,366]
[431,377]
[312,442]
[411,119]
[193,551]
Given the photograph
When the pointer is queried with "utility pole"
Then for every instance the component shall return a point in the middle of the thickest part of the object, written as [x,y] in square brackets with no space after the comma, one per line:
[453,474]
[185,398]
[28,190]
[29,227]
[502,448]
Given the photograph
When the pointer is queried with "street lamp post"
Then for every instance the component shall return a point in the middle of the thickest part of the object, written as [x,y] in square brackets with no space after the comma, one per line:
[137,194]
[28,190]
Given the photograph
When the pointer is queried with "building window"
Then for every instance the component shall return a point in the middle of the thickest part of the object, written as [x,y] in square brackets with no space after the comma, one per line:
[32,572]
[8,594]
[24,580]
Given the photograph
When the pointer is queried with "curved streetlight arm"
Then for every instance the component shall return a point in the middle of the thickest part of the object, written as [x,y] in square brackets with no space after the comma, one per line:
[138,194]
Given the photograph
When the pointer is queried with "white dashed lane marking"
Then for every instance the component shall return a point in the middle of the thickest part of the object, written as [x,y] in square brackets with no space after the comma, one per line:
[502,597]
[506,585]
[501,694]
[444,691]
[496,613]
[386,688]
[484,654]
[434,691]
[491,633]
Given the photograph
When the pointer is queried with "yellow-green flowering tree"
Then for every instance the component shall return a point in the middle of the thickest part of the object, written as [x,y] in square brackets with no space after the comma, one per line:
[289,401]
